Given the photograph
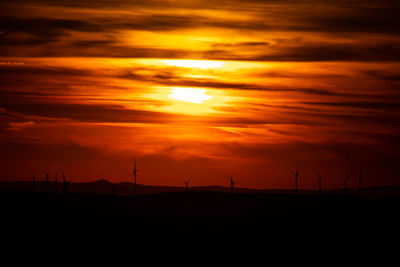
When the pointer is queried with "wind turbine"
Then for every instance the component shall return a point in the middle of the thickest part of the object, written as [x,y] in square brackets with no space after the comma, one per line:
[64,184]
[187,185]
[56,182]
[319,181]
[296,179]
[359,183]
[47,181]
[34,182]
[135,170]
[233,182]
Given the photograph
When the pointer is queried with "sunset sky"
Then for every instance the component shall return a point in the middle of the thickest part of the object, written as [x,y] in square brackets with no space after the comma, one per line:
[201,89]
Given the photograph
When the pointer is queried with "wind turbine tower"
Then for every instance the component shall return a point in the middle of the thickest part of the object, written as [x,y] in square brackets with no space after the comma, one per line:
[233,182]
[65,189]
[34,183]
[135,170]
[47,181]
[359,182]
[296,180]
[56,182]
[319,181]
[187,185]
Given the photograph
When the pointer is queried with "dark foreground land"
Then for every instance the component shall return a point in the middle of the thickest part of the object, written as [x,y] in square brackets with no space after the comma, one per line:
[197,212]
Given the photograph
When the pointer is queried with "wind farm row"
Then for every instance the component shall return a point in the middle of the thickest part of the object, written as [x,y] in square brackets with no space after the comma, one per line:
[54,185]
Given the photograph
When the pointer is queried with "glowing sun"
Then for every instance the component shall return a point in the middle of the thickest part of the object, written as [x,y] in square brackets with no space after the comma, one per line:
[201,64]
[192,95]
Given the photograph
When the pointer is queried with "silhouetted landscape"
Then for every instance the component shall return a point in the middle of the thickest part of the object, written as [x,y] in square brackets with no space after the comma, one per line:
[234,117]
[104,207]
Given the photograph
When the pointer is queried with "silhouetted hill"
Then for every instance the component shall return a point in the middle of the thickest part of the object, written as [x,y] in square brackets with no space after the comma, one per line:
[157,210]
[250,214]
[126,188]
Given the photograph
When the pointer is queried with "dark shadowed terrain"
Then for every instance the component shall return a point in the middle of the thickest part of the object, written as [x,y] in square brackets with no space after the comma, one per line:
[213,211]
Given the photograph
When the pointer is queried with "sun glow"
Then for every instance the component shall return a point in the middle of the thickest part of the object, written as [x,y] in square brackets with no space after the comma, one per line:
[201,64]
[192,95]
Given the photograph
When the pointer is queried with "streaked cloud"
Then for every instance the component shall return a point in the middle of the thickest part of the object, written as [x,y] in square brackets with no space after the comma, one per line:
[281,83]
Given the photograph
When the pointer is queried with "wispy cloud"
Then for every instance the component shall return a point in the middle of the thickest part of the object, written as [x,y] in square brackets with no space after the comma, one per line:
[302,81]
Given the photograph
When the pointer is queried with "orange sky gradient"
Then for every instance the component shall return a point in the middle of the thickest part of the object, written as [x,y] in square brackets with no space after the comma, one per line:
[201,89]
